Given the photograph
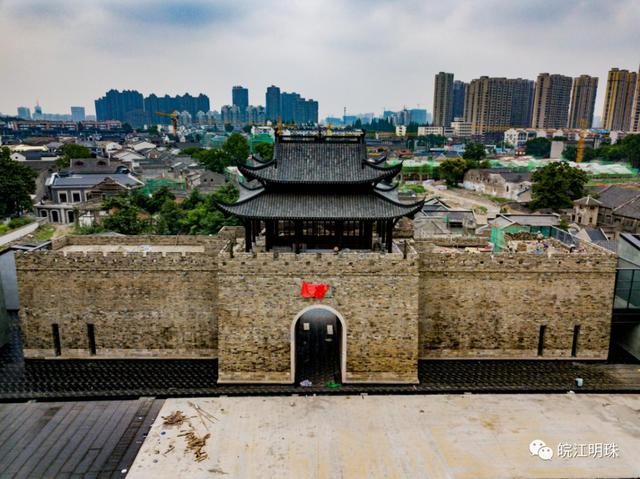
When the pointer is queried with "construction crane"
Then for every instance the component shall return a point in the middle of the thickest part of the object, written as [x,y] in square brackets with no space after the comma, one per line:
[174,119]
[581,138]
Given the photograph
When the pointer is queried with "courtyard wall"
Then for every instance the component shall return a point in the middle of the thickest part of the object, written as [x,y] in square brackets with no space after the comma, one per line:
[484,305]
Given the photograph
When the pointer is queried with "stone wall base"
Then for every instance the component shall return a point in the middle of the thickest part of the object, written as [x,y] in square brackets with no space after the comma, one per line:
[285,378]
[122,354]
[380,377]
[253,378]
[512,354]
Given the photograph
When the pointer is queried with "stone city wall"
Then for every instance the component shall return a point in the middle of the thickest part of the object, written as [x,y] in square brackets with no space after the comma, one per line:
[211,243]
[141,304]
[492,305]
[375,294]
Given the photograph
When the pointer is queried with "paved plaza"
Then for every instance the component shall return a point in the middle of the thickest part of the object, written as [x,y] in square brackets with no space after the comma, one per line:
[436,436]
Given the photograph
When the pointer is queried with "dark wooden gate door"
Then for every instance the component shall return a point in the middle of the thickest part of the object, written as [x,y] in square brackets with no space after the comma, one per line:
[318,335]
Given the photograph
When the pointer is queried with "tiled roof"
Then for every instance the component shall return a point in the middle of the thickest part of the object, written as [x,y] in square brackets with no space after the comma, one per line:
[615,196]
[90,180]
[319,206]
[526,220]
[630,209]
[587,201]
[319,163]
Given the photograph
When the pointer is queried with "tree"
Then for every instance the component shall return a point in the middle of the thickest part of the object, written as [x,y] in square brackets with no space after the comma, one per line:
[227,193]
[69,152]
[126,127]
[611,152]
[170,220]
[556,185]
[540,147]
[265,150]
[159,198]
[237,147]
[474,153]
[452,170]
[570,153]
[191,151]
[17,183]
[228,127]
[215,159]
[631,147]
[126,221]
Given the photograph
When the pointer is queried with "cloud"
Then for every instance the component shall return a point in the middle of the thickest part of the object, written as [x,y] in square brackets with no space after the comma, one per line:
[362,54]
[186,14]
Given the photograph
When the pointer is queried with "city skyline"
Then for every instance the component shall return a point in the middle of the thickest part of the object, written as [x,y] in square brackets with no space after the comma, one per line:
[331,50]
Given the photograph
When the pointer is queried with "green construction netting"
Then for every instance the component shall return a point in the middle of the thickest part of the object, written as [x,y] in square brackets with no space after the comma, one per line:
[153,184]
[260,138]
[596,169]
[498,233]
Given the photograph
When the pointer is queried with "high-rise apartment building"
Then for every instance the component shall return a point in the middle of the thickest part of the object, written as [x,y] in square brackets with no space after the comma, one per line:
[551,101]
[443,99]
[296,109]
[272,102]
[496,104]
[418,116]
[37,112]
[179,103]
[240,98]
[635,115]
[522,93]
[488,104]
[459,92]
[126,106]
[24,112]
[618,102]
[583,100]
[77,113]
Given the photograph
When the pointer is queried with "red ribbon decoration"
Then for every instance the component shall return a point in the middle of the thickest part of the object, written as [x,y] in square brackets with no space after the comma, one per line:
[312,290]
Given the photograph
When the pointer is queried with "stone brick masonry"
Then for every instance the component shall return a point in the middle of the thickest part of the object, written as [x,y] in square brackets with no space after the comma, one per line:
[492,305]
[375,294]
[435,303]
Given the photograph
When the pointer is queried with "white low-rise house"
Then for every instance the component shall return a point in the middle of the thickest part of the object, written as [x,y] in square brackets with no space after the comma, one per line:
[518,137]
[66,192]
[435,130]
[461,128]
[500,182]
[401,130]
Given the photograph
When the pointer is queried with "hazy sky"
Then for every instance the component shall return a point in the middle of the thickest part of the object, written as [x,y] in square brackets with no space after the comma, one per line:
[362,54]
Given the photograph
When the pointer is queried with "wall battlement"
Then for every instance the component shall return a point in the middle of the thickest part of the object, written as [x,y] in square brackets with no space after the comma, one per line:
[345,262]
[123,261]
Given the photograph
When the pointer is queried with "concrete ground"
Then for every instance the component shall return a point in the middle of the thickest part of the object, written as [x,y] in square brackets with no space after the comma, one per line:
[445,436]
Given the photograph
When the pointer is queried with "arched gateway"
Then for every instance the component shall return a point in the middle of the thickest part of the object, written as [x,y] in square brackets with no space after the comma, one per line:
[318,346]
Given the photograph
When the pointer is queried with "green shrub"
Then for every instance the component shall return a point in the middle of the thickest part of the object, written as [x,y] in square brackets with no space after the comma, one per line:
[19,222]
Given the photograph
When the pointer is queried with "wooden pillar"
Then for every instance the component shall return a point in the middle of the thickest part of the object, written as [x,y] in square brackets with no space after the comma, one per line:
[339,233]
[268,234]
[247,236]
[297,226]
[368,234]
[389,236]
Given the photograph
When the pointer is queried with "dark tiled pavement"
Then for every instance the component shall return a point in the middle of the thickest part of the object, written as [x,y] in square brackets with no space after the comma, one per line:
[112,379]
[83,439]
